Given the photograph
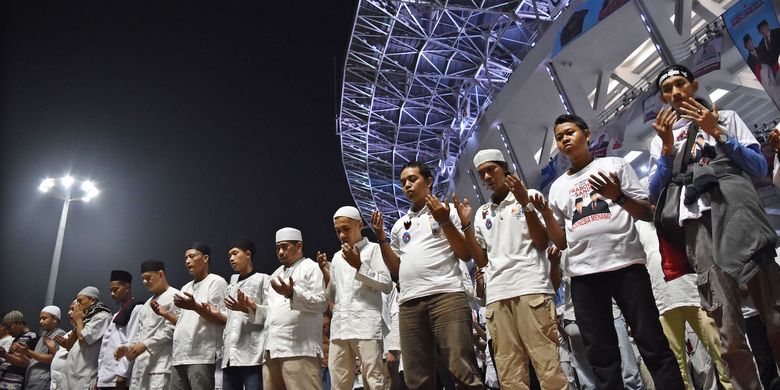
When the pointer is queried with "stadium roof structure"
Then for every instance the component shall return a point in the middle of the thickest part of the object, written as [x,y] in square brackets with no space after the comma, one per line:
[418,76]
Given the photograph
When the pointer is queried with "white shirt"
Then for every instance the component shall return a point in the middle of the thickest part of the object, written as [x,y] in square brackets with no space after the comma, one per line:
[734,128]
[243,340]
[195,339]
[115,336]
[294,326]
[428,264]
[357,294]
[391,340]
[156,333]
[679,292]
[602,236]
[83,356]
[59,367]
[515,266]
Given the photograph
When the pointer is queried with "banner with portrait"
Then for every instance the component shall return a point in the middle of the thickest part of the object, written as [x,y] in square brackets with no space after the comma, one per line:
[588,14]
[753,26]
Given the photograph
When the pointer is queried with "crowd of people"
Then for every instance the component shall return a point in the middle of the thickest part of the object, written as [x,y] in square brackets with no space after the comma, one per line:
[609,282]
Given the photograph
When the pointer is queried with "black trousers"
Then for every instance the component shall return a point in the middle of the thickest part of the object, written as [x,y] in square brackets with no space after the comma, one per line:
[630,288]
[759,344]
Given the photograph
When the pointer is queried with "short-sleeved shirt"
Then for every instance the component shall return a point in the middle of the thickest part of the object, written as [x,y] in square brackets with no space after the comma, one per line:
[515,266]
[195,339]
[11,376]
[600,234]
[428,264]
[38,373]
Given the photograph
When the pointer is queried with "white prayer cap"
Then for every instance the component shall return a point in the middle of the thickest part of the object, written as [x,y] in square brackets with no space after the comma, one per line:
[288,234]
[486,155]
[53,310]
[349,212]
[90,291]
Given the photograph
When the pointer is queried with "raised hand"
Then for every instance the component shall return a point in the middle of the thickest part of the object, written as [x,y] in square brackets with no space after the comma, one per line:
[134,350]
[378,225]
[607,186]
[284,289]
[157,308]
[50,344]
[322,260]
[554,255]
[60,339]
[540,204]
[464,210]
[663,125]
[518,189]
[20,348]
[696,112]
[439,210]
[185,300]
[241,302]
[352,255]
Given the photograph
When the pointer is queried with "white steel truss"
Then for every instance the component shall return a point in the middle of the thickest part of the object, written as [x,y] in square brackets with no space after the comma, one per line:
[418,76]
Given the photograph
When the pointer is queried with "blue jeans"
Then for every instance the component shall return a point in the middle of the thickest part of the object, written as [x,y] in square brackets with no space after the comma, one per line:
[244,377]
[325,373]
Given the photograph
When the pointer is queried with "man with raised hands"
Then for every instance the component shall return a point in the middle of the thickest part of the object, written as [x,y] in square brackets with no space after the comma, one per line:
[423,252]
[355,279]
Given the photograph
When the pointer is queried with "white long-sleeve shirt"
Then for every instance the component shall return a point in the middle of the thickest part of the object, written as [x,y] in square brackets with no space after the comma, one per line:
[294,326]
[357,294]
[244,340]
[156,333]
[196,340]
[83,356]
[115,336]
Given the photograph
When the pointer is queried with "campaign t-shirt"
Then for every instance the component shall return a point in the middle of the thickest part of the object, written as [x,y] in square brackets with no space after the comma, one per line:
[600,234]
[11,376]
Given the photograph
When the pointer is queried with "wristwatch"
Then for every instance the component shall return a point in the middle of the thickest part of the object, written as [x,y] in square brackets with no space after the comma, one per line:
[529,207]
[722,139]
[621,199]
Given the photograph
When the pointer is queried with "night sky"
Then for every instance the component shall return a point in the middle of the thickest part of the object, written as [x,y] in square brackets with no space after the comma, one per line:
[199,121]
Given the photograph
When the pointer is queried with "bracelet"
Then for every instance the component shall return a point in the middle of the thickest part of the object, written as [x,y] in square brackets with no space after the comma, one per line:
[467,227]
[443,224]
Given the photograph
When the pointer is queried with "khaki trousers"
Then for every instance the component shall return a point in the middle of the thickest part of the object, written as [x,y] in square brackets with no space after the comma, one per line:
[342,357]
[293,373]
[524,328]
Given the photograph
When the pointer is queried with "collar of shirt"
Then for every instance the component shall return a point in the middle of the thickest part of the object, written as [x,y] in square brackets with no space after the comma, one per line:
[240,278]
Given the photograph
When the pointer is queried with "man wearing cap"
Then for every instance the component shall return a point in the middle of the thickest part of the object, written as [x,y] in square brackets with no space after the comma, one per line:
[244,339]
[355,278]
[149,345]
[198,335]
[114,373]
[91,319]
[728,239]
[509,239]
[38,372]
[14,363]
[424,251]
[292,310]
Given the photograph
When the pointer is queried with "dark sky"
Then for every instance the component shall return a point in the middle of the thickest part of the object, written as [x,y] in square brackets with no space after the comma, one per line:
[200,121]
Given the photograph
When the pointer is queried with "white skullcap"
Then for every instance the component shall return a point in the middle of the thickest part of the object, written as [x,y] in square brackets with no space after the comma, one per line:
[90,291]
[288,234]
[53,310]
[349,212]
[486,155]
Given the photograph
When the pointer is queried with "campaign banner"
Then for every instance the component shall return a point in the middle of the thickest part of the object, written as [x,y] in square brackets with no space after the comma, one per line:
[588,14]
[707,58]
[753,26]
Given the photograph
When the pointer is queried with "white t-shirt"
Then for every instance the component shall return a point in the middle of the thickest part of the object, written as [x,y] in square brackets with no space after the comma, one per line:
[600,235]
[515,266]
[195,339]
[734,127]
[428,264]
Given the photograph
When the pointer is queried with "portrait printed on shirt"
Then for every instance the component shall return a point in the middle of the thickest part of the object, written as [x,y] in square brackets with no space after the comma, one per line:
[589,206]
[702,152]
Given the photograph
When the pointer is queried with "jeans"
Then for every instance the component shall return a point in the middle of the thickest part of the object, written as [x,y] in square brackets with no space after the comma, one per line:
[244,377]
